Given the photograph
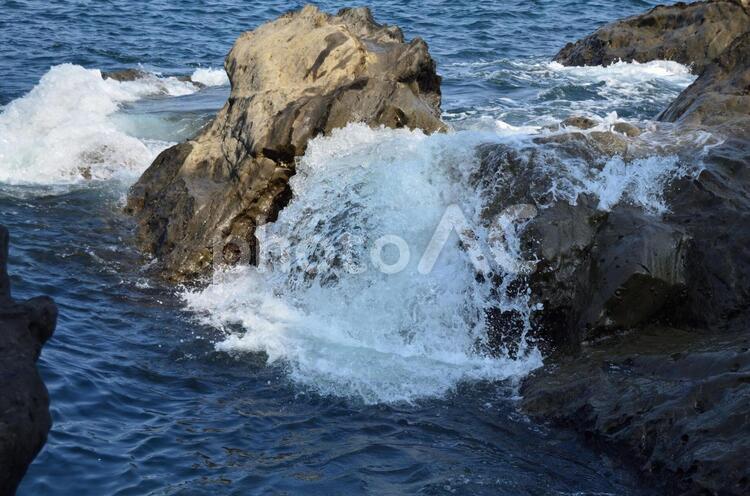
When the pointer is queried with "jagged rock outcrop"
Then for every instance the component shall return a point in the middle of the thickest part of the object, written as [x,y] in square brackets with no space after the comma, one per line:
[693,34]
[656,308]
[721,95]
[599,268]
[24,403]
[300,76]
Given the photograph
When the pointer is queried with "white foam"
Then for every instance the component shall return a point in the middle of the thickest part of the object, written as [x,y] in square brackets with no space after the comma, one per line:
[639,182]
[628,73]
[60,132]
[547,91]
[379,337]
[210,76]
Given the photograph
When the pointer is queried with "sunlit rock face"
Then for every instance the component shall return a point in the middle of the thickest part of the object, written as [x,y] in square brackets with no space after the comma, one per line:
[295,78]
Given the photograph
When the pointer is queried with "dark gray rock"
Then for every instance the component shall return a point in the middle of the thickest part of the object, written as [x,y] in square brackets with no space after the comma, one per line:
[674,403]
[597,271]
[692,34]
[125,75]
[300,76]
[24,402]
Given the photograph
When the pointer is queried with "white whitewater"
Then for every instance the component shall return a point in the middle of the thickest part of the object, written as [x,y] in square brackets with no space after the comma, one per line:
[62,130]
[338,323]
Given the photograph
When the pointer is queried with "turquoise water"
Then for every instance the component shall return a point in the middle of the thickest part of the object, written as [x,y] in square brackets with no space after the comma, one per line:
[143,400]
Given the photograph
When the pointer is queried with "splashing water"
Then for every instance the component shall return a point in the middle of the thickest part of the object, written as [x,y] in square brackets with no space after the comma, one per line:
[209,76]
[61,131]
[343,326]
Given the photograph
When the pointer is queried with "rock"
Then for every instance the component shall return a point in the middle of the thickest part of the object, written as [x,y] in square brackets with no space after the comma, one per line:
[295,78]
[627,129]
[579,122]
[674,403]
[719,97]
[24,404]
[648,314]
[125,75]
[589,146]
[604,269]
[693,34]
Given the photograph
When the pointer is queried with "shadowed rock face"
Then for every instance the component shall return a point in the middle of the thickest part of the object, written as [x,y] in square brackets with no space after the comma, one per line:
[24,403]
[298,77]
[674,403]
[693,34]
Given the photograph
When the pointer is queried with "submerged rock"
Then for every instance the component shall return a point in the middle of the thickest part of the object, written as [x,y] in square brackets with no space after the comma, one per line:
[125,75]
[295,78]
[24,402]
[693,34]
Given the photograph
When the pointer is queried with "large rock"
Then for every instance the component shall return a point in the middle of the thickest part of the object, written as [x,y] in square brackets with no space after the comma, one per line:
[600,268]
[24,403]
[676,404]
[300,76]
[693,34]
[720,96]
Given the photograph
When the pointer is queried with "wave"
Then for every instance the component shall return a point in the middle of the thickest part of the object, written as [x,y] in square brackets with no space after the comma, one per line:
[540,92]
[341,325]
[210,76]
[61,131]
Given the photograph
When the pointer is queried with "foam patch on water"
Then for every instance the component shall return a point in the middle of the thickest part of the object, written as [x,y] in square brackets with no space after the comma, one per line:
[61,131]
[340,325]
[210,76]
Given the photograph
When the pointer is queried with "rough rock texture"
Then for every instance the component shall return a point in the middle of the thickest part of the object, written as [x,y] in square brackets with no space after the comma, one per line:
[604,269]
[300,76]
[692,34]
[620,288]
[24,403]
[721,95]
[598,269]
[674,403]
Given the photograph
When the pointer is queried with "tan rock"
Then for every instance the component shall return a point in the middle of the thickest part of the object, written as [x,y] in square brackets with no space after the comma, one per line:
[297,77]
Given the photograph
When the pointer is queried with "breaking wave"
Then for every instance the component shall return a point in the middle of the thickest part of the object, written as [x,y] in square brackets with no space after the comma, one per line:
[61,131]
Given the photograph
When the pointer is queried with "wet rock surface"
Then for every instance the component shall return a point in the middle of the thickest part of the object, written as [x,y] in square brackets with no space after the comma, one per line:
[647,313]
[674,403]
[693,34]
[298,77]
[24,403]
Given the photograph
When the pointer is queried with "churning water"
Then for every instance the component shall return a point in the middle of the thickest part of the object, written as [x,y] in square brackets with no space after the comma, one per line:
[320,376]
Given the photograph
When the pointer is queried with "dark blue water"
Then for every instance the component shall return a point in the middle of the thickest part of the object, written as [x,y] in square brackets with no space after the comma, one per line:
[141,401]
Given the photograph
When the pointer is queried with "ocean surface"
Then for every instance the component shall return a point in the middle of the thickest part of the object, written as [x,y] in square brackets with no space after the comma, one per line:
[282,383]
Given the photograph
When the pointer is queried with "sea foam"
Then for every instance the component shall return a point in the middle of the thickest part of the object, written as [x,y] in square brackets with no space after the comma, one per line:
[210,77]
[340,325]
[61,132]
